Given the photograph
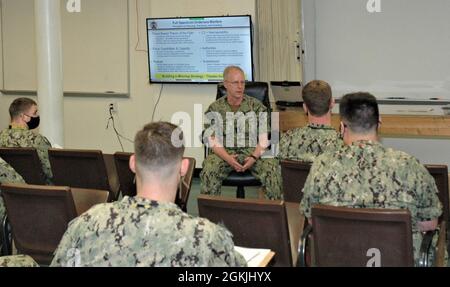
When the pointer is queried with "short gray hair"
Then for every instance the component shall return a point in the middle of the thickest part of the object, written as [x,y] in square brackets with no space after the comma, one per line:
[231,68]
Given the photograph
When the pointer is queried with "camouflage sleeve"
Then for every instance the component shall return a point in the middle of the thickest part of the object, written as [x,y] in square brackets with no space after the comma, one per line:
[2,210]
[429,207]
[208,121]
[311,189]
[240,260]
[259,108]
[65,254]
[8,174]
[284,145]
[222,247]
[42,145]
[17,261]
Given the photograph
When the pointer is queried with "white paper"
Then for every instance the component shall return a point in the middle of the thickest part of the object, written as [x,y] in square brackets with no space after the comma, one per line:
[253,256]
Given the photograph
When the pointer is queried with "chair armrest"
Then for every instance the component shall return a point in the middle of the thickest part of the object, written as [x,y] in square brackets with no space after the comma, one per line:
[6,237]
[439,260]
[439,250]
[425,248]
[113,178]
[301,260]
[296,224]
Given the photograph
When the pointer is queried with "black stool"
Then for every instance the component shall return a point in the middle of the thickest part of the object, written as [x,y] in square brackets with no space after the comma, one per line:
[241,179]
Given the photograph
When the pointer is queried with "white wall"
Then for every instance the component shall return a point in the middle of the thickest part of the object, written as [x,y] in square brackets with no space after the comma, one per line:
[402,51]
[427,151]
[85,118]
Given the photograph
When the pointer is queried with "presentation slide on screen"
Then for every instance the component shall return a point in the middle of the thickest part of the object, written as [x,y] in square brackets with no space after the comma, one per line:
[198,49]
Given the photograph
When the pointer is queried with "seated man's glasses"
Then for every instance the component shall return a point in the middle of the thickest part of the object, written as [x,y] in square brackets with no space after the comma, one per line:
[236,83]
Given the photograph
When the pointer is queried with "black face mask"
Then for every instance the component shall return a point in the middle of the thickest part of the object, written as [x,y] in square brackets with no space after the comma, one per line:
[34,122]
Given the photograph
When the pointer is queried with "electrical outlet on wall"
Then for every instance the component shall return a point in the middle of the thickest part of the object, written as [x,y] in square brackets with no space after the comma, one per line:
[113,108]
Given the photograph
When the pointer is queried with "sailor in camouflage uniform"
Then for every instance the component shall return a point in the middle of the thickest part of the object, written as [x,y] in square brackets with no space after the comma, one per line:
[306,143]
[7,175]
[17,261]
[24,118]
[364,174]
[149,229]
[236,131]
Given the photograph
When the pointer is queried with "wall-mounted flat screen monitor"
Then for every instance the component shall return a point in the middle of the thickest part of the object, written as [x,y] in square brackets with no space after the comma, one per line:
[197,49]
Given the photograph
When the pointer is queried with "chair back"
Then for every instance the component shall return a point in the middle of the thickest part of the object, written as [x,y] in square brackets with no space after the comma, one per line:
[359,237]
[80,168]
[258,90]
[253,223]
[126,177]
[440,175]
[39,216]
[128,182]
[26,162]
[294,174]
[185,186]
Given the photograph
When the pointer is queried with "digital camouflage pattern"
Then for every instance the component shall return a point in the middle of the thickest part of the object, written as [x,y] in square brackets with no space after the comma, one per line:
[22,137]
[306,143]
[141,232]
[233,140]
[7,175]
[17,261]
[368,175]
[239,143]
[215,170]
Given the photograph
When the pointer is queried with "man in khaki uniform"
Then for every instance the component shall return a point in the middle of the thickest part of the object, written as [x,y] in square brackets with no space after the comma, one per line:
[148,229]
[24,118]
[306,143]
[237,137]
[365,174]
